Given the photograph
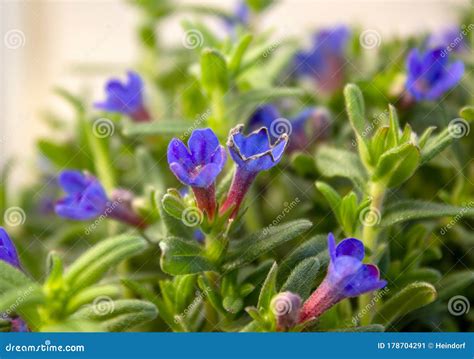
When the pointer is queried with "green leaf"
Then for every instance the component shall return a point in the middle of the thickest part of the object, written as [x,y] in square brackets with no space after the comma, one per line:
[315,246]
[332,162]
[180,256]
[408,210]
[238,52]
[173,204]
[467,113]
[257,244]
[15,299]
[162,127]
[11,277]
[413,296]
[394,131]
[454,283]
[120,315]
[436,145]
[214,75]
[332,197]
[268,290]
[59,154]
[397,165]
[355,108]
[88,295]
[302,278]
[94,263]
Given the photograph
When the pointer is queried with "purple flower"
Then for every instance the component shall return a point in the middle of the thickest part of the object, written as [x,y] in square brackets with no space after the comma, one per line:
[85,197]
[286,308]
[126,98]
[199,166]
[304,129]
[18,325]
[347,277]
[430,74]
[9,255]
[8,251]
[252,154]
[324,62]
[241,16]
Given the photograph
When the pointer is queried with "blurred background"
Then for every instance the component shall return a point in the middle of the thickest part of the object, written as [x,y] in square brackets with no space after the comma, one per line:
[78,44]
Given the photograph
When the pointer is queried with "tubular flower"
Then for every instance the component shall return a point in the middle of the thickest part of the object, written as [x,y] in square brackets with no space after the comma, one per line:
[347,277]
[126,98]
[199,166]
[430,75]
[252,154]
[324,62]
[286,308]
[9,254]
[86,200]
[8,251]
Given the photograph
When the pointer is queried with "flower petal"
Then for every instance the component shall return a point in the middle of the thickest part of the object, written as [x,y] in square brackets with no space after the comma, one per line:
[202,145]
[177,152]
[8,251]
[365,280]
[351,247]
[73,182]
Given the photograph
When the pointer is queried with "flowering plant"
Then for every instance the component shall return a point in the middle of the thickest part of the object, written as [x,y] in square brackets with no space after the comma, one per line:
[277,187]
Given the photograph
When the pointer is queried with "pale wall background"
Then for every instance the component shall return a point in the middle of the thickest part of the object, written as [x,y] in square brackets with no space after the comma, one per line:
[57,36]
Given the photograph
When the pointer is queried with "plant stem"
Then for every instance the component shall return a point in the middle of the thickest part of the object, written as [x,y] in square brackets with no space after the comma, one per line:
[369,237]
[370,229]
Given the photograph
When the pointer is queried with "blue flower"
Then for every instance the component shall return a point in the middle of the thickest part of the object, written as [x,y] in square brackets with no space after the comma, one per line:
[241,16]
[85,197]
[252,154]
[255,152]
[126,98]
[201,164]
[347,277]
[430,74]
[325,60]
[8,251]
